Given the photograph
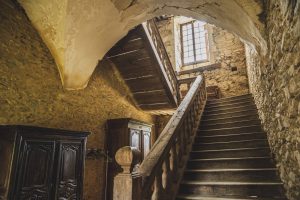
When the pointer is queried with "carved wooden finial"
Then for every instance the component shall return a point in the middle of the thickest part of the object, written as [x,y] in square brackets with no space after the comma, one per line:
[127,185]
[124,157]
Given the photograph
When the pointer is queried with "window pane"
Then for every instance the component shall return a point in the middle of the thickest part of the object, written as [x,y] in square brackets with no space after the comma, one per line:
[191,49]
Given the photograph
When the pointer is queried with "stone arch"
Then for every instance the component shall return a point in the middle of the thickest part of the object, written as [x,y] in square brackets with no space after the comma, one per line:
[79,33]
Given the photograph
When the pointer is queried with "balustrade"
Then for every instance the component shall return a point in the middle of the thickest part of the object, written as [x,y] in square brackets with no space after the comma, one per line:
[163,58]
[158,176]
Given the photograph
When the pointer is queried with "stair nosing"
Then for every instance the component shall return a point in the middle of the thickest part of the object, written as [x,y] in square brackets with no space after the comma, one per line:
[229,128]
[234,101]
[247,120]
[225,159]
[208,115]
[188,197]
[229,183]
[229,142]
[197,197]
[230,170]
[225,118]
[207,110]
[227,135]
[223,100]
[249,94]
[237,149]
[220,104]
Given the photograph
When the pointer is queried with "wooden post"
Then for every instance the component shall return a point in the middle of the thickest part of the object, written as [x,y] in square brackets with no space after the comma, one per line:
[127,186]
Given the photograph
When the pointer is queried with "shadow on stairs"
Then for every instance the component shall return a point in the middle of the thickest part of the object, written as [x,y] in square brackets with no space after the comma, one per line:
[231,158]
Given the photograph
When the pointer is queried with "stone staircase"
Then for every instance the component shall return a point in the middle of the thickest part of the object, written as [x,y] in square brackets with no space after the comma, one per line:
[231,158]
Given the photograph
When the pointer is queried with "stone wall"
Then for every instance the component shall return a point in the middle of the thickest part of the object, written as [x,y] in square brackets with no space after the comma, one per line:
[31,92]
[166,29]
[224,48]
[275,84]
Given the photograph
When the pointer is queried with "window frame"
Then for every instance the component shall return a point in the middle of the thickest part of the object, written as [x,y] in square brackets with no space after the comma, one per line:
[194,48]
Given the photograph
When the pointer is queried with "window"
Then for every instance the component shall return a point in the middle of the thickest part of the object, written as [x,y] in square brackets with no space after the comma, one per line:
[194,42]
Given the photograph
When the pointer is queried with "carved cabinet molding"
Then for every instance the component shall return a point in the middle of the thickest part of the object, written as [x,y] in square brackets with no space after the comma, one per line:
[41,163]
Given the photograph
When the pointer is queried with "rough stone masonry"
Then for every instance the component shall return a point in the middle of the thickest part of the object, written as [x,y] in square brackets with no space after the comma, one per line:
[223,47]
[31,92]
[275,83]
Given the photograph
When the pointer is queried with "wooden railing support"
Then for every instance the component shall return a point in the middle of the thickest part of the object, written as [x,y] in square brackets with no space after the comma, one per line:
[127,184]
[158,177]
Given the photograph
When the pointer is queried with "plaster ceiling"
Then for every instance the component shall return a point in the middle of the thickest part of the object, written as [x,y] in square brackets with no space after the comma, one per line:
[80,32]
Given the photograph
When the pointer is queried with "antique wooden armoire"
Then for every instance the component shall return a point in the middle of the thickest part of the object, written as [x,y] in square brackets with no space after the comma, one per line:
[41,163]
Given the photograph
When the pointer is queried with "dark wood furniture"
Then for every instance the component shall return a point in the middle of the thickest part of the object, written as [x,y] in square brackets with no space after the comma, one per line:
[125,132]
[41,163]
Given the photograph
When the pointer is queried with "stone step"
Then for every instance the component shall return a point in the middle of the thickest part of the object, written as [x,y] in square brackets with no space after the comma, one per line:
[227,189]
[232,163]
[231,144]
[229,119]
[229,137]
[230,99]
[231,153]
[239,123]
[197,197]
[231,158]
[231,109]
[232,130]
[228,175]
[229,114]
[230,104]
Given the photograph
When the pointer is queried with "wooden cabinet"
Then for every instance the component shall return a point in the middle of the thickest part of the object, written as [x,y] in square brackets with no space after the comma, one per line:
[125,132]
[41,163]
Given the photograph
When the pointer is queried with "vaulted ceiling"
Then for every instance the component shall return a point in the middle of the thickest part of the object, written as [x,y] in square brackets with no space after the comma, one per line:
[80,32]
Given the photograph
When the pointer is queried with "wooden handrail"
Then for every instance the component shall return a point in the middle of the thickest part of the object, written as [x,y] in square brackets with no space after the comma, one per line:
[168,133]
[163,59]
[159,175]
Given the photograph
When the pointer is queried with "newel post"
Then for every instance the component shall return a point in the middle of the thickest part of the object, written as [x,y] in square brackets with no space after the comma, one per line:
[127,185]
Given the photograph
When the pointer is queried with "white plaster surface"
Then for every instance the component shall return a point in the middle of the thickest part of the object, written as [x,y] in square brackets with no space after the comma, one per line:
[80,32]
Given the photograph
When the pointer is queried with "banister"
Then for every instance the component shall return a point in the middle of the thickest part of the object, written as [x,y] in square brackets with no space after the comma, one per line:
[158,176]
[165,137]
[162,168]
[170,68]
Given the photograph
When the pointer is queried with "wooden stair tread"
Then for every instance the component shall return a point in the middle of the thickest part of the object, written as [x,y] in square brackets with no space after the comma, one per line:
[229,135]
[230,170]
[197,197]
[229,183]
[241,158]
[230,158]
[229,142]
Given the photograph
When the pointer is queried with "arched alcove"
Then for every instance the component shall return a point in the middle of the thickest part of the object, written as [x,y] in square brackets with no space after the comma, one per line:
[79,33]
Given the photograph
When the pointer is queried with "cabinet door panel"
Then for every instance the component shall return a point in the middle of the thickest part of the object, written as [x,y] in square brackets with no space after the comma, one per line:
[70,171]
[146,142]
[36,169]
[135,138]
